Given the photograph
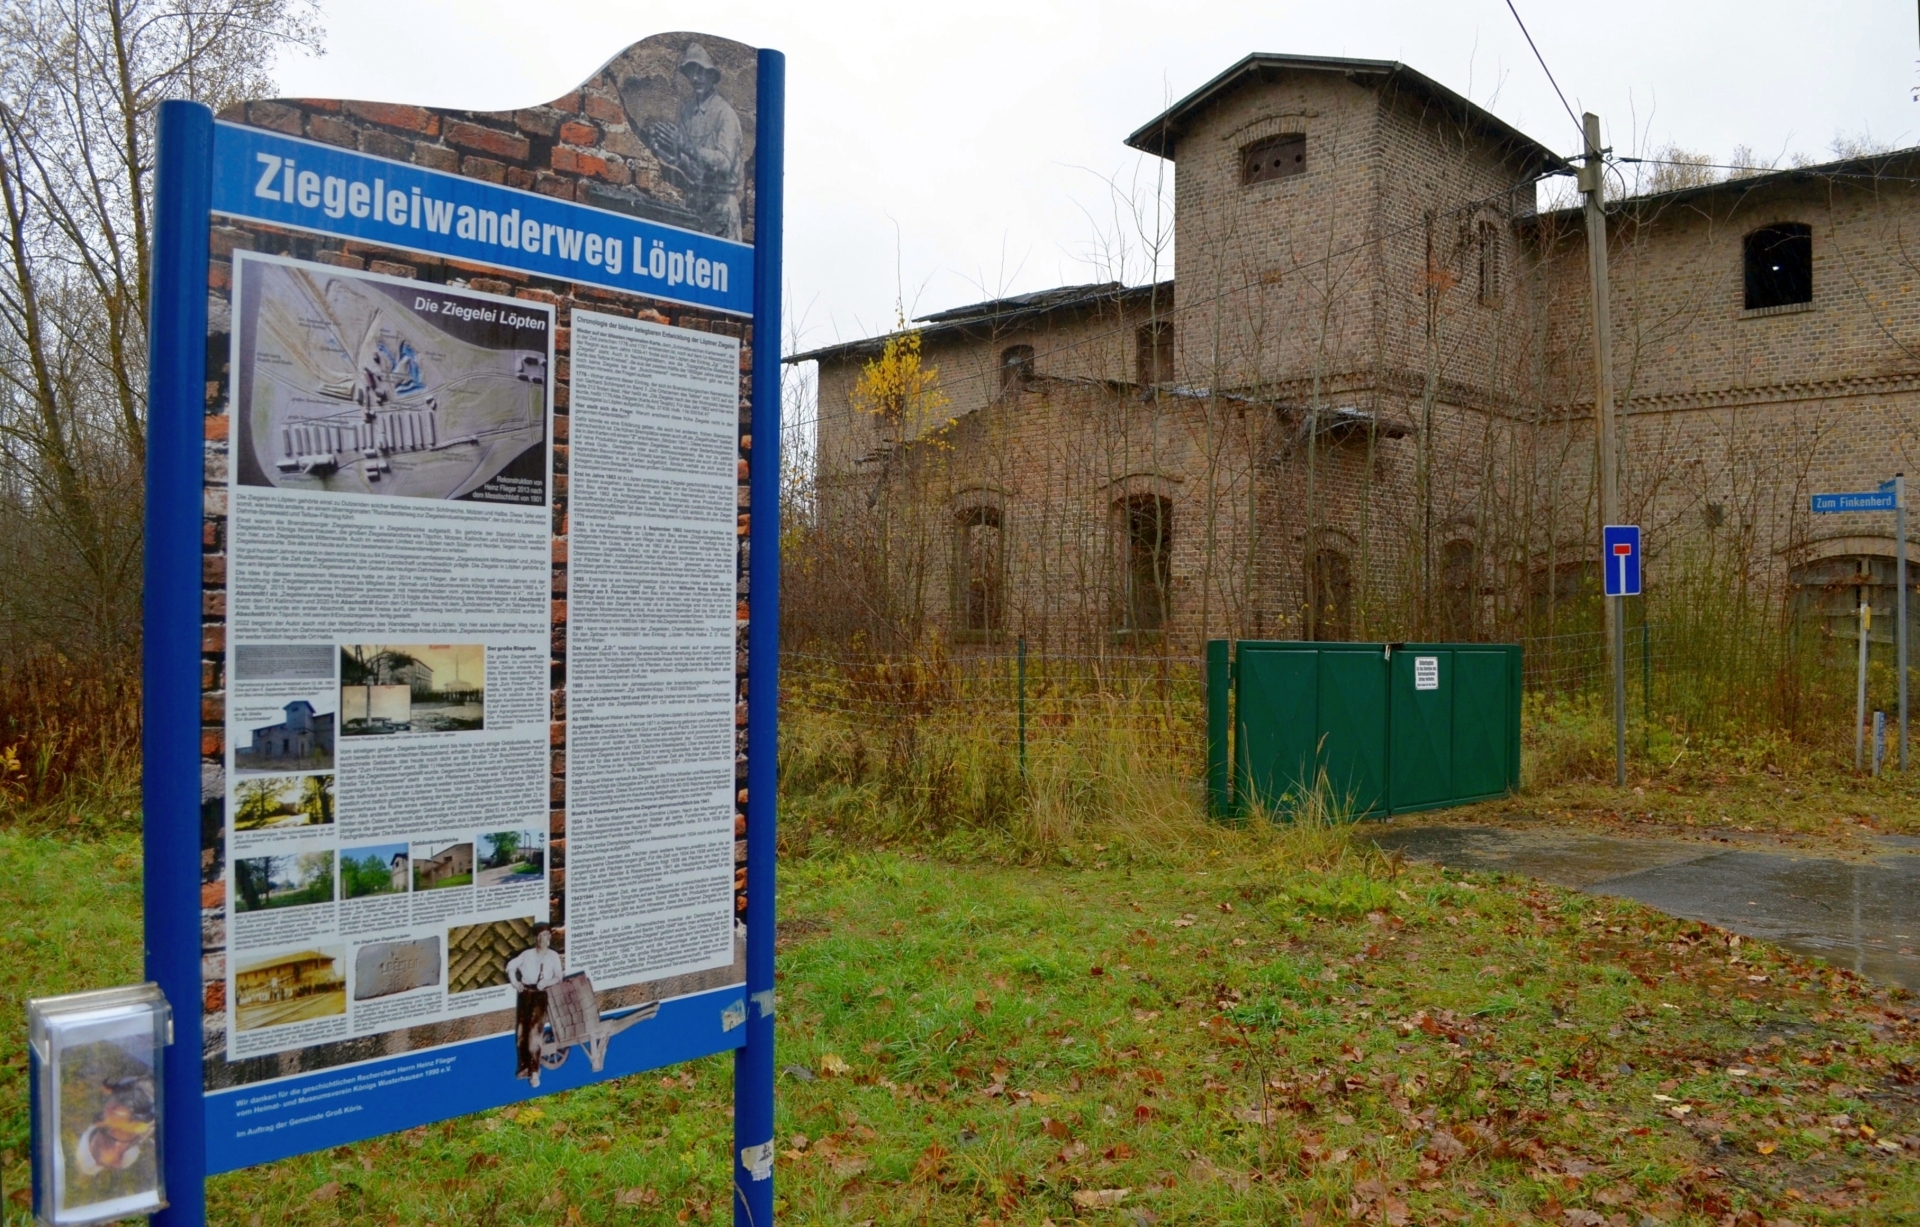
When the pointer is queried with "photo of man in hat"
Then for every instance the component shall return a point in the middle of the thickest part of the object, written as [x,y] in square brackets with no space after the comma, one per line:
[703,151]
[532,972]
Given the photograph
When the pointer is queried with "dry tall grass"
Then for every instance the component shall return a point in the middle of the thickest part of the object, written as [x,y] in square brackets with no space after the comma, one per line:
[69,743]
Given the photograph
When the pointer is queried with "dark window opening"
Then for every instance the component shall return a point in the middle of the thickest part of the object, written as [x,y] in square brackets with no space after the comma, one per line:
[1016,366]
[1277,157]
[1779,265]
[981,570]
[1148,527]
[1486,249]
[1332,596]
[1153,352]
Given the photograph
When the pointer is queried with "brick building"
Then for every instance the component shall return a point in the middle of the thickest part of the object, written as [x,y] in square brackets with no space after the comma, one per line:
[1363,407]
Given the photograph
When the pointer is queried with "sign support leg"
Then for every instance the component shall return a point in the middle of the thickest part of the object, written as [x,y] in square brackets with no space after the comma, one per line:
[1620,689]
[170,733]
[1860,688]
[1900,631]
[753,1068]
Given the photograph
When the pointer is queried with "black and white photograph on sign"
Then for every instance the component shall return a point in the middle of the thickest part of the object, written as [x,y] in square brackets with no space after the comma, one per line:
[352,383]
[273,802]
[412,688]
[106,1159]
[294,735]
[296,879]
[477,955]
[380,869]
[283,662]
[289,988]
[510,857]
[438,866]
[384,969]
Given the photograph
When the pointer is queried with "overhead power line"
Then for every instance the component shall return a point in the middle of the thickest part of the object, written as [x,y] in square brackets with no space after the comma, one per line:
[1545,69]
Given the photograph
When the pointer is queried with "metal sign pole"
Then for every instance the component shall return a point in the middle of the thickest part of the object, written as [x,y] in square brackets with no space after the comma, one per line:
[1860,690]
[1620,691]
[753,1068]
[1900,631]
[170,736]
[1621,564]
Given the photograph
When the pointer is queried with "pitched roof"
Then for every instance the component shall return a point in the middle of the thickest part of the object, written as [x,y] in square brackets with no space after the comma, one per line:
[999,314]
[1163,132]
[1893,164]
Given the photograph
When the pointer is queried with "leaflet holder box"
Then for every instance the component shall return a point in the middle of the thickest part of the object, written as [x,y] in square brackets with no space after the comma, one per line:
[99,1106]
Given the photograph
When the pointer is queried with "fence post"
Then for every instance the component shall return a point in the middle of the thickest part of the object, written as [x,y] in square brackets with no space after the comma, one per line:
[1646,685]
[1219,802]
[1022,669]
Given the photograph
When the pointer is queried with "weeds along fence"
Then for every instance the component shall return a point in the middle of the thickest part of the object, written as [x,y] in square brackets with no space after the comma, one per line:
[1036,749]
[1038,745]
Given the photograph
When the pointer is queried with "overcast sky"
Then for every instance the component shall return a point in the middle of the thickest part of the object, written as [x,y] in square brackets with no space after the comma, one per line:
[983,134]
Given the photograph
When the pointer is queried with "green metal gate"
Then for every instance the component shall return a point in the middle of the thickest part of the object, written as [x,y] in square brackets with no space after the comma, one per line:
[1395,727]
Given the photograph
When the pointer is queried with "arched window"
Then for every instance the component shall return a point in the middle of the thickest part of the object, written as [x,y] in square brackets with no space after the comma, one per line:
[1828,591]
[1016,366]
[1332,596]
[1779,265]
[980,571]
[1146,532]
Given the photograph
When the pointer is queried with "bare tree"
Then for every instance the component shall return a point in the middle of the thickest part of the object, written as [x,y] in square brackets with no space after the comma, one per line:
[80,86]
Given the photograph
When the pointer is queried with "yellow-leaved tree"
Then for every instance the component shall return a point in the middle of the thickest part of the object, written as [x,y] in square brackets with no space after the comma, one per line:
[902,390]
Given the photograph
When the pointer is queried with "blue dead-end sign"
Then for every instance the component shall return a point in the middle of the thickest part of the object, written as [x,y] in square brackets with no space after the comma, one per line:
[1620,561]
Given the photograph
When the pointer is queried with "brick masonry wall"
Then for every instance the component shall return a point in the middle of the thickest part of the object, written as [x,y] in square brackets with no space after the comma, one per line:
[1733,417]
[580,147]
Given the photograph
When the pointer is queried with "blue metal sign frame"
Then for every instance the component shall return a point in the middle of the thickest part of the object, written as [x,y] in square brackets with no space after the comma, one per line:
[1620,559]
[196,179]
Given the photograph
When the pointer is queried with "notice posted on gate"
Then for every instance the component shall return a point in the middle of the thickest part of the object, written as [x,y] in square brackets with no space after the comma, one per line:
[473,776]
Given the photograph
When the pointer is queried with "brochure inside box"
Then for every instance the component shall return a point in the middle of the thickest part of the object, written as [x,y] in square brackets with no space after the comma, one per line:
[99,1104]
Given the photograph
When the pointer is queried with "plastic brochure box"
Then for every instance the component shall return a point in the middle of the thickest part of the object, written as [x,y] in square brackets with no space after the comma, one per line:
[99,1118]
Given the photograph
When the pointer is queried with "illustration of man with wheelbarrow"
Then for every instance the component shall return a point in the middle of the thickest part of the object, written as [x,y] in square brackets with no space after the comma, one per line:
[532,972]
[554,1011]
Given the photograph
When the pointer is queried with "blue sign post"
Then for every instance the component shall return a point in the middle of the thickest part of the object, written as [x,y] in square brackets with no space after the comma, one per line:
[1891,495]
[1620,574]
[381,354]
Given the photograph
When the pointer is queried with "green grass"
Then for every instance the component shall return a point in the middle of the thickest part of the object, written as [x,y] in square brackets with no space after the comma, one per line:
[70,913]
[1267,1039]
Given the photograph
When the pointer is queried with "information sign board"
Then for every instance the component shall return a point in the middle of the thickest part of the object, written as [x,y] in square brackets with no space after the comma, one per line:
[451,766]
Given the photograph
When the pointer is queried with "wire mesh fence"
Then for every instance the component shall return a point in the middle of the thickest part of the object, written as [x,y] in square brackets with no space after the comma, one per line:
[1680,672]
[1031,695]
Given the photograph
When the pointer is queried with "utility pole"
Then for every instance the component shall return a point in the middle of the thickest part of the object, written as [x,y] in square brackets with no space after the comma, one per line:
[1900,605]
[1593,184]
